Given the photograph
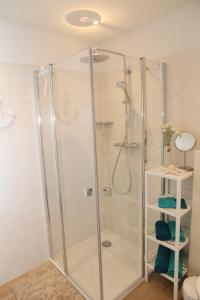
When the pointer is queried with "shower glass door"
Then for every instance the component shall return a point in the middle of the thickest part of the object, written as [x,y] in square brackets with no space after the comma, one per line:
[46,123]
[92,143]
[73,100]
[117,86]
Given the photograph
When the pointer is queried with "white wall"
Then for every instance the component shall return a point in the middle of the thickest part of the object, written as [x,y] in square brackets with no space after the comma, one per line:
[176,32]
[23,233]
[31,46]
[23,237]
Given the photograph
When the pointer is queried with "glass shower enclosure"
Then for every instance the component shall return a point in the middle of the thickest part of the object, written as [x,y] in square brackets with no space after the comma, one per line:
[94,128]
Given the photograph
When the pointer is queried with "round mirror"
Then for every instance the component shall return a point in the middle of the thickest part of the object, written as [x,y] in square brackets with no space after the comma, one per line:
[185,141]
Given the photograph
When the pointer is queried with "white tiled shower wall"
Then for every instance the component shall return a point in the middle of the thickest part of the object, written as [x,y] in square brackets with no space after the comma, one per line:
[183,94]
[183,107]
[22,214]
[119,213]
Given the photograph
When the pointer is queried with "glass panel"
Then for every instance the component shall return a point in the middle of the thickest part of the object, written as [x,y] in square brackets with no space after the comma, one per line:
[48,147]
[119,161]
[153,116]
[154,142]
[75,135]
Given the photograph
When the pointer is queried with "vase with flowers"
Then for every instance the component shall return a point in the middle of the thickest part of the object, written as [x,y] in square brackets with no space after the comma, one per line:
[169,131]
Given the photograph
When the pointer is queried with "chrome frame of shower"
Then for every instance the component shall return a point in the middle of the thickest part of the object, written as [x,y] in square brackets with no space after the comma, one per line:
[39,132]
[96,178]
[49,74]
[163,105]
[143,120]
[108,51]
[164,183]
[57,164]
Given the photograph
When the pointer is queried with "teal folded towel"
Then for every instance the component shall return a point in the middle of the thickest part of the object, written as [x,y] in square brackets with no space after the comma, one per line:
[170,202]
[170,270]
[162,231]
[162,260]
[172,229]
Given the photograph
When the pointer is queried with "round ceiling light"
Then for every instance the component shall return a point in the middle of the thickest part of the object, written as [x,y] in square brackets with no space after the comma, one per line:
[83,18]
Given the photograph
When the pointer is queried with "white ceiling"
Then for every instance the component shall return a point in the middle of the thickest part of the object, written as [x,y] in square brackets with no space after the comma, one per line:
[118,16]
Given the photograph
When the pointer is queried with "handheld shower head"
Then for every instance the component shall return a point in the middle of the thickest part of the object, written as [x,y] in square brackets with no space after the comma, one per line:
[123,85]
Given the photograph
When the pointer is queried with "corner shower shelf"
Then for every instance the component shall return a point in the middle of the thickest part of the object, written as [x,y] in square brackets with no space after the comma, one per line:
[177,213]
[151,263]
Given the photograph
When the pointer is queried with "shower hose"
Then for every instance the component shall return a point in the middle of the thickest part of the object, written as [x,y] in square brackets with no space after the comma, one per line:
[128,167]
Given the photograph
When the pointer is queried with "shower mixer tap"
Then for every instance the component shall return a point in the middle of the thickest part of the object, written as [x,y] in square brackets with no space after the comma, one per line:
[107,191]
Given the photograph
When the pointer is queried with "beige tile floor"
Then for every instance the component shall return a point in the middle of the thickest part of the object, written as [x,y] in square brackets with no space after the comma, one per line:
[42,283]
[157,288]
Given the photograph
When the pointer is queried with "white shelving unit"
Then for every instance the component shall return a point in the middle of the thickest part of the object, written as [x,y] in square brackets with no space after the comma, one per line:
[177,213]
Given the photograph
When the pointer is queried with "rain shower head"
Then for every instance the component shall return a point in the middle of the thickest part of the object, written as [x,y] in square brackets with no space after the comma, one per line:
[96,58]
